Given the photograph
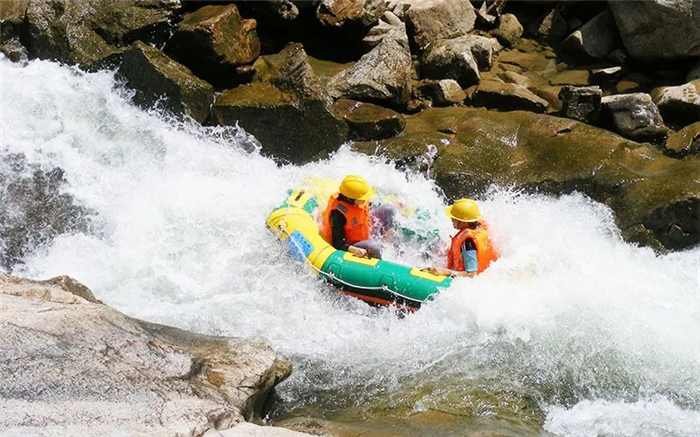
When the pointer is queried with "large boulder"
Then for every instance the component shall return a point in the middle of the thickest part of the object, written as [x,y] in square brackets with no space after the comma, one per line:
[595,39]
[81,368]
[432,20]
[157,79]
[290,71]
[459,58]
[659,30]
[679,104]
[87,31]
[581,103]
[289,127]
[369,122]
[477,148]
[213,40]
[382,75]
[444,92]
[507,97]
[509,30]
[634,116]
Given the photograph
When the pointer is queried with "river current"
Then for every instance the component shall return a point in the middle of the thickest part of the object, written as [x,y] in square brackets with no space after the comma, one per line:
[572,328]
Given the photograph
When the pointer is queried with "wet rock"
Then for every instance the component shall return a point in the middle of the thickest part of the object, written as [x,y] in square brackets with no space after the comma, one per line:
[459,59]
[581,103]
[432,20]
[509,30]
[290,128]
[290,71]
[444,92]
[34,209]
[634,116]
[83,32]
[507,97]
[382,75]
[247,429]
[157,79]
[339,13]
[685,142]
[556,155]
[12,19]
[369,122]
[213,40]
[679,105]
[658,30]
[528,61]
[595,39]
[110,374]
[14,50]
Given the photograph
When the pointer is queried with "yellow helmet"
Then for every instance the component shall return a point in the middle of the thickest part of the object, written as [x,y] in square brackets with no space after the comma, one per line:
[464,210]
[356,188]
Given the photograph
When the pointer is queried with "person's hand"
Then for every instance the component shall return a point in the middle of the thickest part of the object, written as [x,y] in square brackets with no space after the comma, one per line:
[437,271]
[357,251]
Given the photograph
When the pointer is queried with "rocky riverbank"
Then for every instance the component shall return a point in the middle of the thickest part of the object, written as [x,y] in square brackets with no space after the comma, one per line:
[73,366]
[609,90]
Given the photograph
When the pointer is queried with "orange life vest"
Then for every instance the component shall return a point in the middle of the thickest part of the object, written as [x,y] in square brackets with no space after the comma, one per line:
[356,225]
[484,251]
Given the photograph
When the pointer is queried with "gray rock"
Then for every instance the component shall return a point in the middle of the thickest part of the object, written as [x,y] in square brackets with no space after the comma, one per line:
[432,20]
[679,104]
[595,39]
[489,12]
[383,74]
[515,78]
[83,32]
[388,22]
[289,127]
[604,75]
[369,122]
[444,92]
[581,103]
[634,116]
[213,40]
[460,59]
[81,368]
[509,30]
[157,79]
[659,30]
[551,27]
[507,97]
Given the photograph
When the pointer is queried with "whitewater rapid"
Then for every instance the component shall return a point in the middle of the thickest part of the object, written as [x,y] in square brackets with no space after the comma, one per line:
[605,336]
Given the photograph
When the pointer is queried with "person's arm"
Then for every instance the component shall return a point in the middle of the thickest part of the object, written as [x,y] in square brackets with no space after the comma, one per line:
[338,221]
[471,265]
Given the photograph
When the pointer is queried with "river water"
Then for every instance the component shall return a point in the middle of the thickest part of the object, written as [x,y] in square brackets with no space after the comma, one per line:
[572,331]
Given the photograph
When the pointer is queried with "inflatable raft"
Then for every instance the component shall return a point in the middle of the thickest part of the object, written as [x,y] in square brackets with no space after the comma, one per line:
[375,281]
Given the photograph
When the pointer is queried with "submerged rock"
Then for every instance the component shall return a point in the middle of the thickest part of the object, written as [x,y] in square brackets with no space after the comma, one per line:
[158,79]
[477,148]
[507,97]
[81,368]
[289,127]
[685,142]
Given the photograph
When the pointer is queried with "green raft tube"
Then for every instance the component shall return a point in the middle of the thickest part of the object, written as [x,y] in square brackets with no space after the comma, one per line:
[375,281]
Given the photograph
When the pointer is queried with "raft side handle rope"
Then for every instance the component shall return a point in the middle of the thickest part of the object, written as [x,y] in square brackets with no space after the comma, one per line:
[332,276]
